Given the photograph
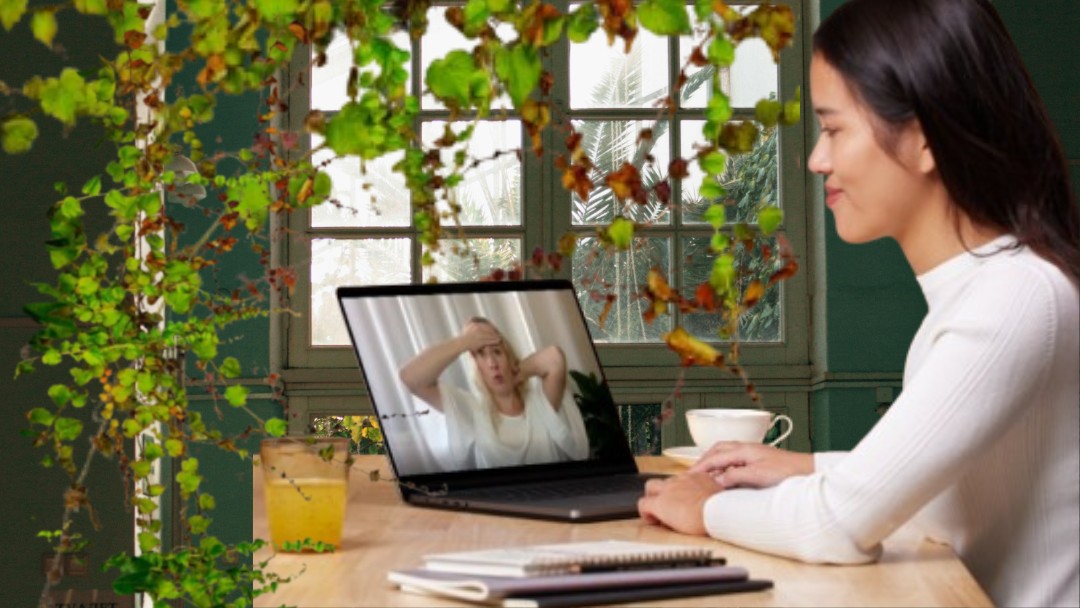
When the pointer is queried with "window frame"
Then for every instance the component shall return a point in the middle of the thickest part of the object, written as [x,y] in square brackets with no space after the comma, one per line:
[326,380]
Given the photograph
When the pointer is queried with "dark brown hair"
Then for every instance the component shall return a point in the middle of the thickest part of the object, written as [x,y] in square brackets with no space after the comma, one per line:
[951,65]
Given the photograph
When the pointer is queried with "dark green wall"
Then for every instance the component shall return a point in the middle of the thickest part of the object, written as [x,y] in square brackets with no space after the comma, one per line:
[33,495]
[873,304]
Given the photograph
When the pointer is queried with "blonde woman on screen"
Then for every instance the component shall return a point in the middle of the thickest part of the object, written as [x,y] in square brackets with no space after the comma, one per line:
[933,135]
[518,411]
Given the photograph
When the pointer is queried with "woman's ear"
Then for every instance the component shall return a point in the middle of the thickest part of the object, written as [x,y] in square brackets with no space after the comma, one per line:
[925,156]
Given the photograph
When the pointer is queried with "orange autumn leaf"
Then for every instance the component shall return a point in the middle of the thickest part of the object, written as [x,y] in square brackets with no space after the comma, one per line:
[626,184]
[609,302]
[786,272]
[691,350]
[658,286]
[706,297]
[754,291]
[576,178]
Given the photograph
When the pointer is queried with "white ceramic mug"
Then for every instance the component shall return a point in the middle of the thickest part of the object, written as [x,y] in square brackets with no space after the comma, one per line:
[749,425]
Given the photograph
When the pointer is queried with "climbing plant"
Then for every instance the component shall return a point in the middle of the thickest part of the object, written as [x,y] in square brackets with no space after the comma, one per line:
[125,301]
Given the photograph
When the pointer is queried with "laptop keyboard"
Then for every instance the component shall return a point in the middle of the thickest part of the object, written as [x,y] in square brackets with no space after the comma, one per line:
[614,484]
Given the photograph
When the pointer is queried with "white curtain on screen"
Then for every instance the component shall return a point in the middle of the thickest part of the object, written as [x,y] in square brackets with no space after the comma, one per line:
[391,330]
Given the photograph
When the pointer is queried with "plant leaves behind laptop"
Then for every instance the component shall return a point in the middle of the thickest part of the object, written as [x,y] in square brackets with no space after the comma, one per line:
[598,409]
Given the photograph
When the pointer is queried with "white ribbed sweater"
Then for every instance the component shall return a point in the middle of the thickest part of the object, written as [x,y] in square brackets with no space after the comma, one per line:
[983,444]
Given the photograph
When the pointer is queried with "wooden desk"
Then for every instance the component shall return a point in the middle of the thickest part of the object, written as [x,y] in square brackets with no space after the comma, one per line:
[382,533]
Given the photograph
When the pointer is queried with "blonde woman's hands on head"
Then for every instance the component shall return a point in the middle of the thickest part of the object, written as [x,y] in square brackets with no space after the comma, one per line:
[548,364]
[678,502]
[475,335]
[736,464]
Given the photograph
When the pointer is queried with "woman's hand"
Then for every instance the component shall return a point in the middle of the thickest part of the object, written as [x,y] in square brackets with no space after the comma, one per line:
[678,502]
[735,464]
[475,336]
[548,364]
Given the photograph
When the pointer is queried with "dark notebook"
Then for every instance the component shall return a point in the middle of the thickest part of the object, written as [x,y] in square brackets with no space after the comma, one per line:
[564,456]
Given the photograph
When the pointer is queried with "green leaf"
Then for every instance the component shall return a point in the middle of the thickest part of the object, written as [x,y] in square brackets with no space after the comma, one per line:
[664,17]
[147,543]
[276,427]
[519,67]
[713,163]
[68,429]
[769,219]
[174,447]
[236,395]
[722,277]
[767,112]
[621,233]
[277,9]
[43,25]
[11,11]
[61,97]
[40,415]
[718,108]
[60,394]
[583,22]
[458,82]
[230,367]
[17,134]
[198,524]
[710,190]
[721,52]
[716,215]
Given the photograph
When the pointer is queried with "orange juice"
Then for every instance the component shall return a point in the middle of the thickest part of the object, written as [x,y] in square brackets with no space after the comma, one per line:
[305,508]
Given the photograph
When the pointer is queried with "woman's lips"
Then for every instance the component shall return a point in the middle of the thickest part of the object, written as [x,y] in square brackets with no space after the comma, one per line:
[832,196]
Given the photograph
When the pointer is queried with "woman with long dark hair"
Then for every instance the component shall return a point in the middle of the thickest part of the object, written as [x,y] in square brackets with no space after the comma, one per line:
[933,135]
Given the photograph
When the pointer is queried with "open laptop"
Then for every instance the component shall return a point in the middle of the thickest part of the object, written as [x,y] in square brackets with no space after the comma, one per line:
[560,455]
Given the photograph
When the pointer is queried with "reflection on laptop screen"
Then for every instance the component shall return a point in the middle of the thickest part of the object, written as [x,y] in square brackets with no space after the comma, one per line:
[481,379]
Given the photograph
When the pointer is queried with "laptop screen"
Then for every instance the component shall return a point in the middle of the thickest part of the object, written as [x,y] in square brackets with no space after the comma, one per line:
[492,376]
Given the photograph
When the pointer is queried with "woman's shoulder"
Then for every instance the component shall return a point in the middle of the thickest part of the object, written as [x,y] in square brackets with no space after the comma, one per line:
[1025,287]
[1021,271]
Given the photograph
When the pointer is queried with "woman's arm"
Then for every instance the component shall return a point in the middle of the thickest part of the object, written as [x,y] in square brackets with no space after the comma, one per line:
[549,364]
[980,372]
[421,374]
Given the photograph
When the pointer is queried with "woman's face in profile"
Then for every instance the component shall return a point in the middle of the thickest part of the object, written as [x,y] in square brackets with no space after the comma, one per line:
[872,192]
[496,368]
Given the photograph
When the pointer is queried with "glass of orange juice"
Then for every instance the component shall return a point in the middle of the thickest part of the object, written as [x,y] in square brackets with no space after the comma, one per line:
[305,483]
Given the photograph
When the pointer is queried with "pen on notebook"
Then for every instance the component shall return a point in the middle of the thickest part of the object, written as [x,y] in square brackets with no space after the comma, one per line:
[677,563]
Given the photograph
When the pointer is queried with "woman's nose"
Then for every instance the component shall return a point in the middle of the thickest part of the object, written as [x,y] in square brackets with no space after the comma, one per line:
[819,159]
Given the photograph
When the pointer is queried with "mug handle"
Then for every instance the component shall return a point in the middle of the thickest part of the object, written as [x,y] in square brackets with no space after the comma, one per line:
[787,431]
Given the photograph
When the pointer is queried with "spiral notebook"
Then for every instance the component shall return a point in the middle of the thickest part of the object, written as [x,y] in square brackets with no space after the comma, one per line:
[571,558]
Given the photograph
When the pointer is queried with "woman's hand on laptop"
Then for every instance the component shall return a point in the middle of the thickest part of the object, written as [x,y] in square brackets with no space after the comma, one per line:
[678,502]
[735,464]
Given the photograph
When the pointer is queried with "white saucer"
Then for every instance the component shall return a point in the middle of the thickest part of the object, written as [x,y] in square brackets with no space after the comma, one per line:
[685,455]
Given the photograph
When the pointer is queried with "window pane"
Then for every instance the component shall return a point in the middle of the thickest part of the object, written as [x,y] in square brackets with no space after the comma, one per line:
[365,436]
[490,194]
[641,423]
[337,262]
[454,263]
[440,39]
[760,324]
[751,179]
[753,75]
[328,83]
[374,198]
[599,273]
[606,76]
[609,143]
